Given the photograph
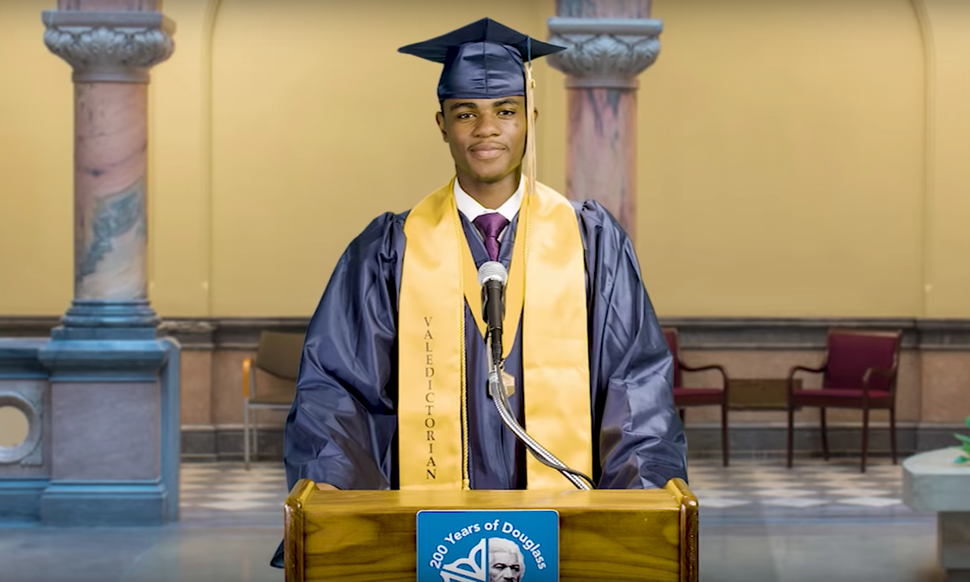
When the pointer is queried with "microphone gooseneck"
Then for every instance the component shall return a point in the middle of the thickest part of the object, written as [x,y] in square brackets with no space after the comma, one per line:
[501,399]
[492,276]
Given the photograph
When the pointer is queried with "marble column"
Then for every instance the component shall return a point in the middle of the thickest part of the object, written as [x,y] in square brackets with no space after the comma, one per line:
[609,42]
[114,416]
[111,44]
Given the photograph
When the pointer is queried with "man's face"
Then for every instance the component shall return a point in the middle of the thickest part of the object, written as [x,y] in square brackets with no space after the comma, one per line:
[504,567]
[486,136]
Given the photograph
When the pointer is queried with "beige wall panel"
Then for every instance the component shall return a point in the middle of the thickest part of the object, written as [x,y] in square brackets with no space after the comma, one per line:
[196,375]
[227,396]
[946,386]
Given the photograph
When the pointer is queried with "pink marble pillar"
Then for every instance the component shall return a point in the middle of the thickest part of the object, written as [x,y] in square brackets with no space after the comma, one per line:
[109,196]
[610,42]
[113,401]
[111,45]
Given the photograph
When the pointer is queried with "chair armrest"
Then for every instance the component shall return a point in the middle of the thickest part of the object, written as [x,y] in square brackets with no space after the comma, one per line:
[795,369]
[247,378]
[720,369]
[867,377]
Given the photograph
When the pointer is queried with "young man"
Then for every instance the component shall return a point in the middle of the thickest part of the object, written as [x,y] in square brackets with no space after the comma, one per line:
[392,389]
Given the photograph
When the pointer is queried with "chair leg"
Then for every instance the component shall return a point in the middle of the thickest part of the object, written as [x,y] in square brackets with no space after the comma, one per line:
[255,435]
[892,432]
[825,437]
[791,431]
[246,435]
[865,437]
[724,434]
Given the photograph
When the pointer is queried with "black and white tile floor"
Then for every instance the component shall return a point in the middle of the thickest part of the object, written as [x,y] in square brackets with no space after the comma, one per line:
[221,492]
[812,487]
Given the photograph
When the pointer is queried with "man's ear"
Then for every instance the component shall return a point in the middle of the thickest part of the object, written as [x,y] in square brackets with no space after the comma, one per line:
[440,118]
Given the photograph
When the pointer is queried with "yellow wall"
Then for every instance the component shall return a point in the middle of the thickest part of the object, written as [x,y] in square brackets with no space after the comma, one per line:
[796,158]
[319,125]
[36,199]
[782,159]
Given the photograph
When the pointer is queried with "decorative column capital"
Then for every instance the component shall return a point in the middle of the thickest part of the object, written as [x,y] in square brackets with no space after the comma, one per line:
[109,47]
[607,53]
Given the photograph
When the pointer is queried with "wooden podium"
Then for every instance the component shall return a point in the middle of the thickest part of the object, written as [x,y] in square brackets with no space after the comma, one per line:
[603,535]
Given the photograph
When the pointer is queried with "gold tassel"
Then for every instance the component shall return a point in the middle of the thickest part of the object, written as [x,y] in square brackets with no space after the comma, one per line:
[530,138]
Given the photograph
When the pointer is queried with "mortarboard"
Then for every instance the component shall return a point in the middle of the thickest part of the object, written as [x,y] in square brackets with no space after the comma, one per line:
[483,60]
[488,60]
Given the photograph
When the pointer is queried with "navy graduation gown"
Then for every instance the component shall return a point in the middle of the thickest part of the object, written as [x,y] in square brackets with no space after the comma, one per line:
[342,426]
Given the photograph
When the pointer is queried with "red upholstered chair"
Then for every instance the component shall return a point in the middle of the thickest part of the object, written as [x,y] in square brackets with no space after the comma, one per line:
[859,371]
[684,397]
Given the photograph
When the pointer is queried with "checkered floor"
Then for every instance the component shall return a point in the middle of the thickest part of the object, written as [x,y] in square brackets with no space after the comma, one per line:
[812,487]
[226,492]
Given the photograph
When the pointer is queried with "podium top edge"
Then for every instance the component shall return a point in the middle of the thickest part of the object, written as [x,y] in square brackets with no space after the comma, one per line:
[393,501]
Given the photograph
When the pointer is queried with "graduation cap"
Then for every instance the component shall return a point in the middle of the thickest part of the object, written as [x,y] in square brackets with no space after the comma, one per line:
[483,60]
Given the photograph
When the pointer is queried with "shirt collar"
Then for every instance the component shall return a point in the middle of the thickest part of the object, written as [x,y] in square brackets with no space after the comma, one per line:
[472,209]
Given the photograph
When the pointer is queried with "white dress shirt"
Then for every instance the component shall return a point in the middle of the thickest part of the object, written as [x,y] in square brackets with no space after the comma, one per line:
[472,209]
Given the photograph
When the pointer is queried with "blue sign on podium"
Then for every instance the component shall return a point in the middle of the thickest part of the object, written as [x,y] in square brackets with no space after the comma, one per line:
[487,546]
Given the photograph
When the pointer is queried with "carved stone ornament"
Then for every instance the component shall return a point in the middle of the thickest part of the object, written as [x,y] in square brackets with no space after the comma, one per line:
[109,47]
[604,52]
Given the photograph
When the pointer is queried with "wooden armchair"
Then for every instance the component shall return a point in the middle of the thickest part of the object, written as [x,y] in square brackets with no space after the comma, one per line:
[859,371]
[279,356]
[685,397]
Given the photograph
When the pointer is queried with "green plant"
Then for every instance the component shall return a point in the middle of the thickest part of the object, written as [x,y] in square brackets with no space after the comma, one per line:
[965,458]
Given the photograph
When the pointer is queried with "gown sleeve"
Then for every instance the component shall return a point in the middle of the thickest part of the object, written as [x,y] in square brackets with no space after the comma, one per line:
[342,423]
[641,442]
[341,427]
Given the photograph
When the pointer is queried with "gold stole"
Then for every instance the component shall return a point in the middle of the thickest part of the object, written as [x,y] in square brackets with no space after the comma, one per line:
[438,277]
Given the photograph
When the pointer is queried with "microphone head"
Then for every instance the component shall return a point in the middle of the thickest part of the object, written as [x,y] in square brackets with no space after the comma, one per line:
[492,271]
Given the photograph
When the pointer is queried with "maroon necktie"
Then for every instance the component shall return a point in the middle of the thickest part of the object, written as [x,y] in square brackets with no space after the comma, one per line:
[491,225]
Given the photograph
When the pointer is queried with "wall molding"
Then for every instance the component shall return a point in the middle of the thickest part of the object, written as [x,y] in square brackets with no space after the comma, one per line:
[745,333]
[696,333]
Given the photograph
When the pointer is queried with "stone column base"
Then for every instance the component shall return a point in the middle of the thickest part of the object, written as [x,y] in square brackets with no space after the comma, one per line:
[20,500]
[114,410]
[90,503]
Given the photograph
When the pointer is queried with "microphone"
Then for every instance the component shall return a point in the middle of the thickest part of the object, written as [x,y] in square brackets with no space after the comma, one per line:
[492,277]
